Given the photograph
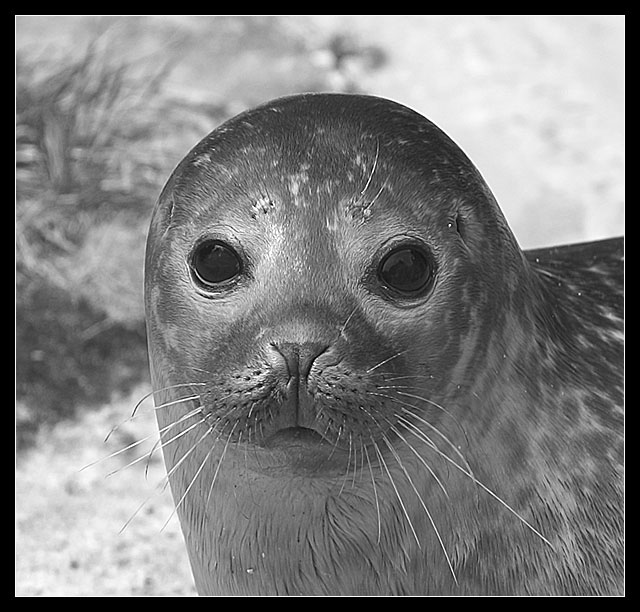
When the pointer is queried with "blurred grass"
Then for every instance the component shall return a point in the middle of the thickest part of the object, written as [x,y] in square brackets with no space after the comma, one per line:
[84,173]
[88,169]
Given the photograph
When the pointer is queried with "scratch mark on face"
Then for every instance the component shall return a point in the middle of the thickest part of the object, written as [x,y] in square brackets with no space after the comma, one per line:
[360,206]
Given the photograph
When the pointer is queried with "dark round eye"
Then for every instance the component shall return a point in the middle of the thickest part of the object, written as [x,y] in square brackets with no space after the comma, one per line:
[214,262]
[407,269]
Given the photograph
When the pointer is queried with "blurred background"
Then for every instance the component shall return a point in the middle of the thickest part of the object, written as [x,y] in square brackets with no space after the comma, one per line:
[107,106]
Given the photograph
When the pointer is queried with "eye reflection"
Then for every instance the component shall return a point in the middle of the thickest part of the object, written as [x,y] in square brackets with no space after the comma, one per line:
[407,269]
[214,262]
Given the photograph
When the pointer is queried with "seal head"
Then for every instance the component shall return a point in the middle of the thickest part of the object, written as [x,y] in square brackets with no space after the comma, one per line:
[364,386]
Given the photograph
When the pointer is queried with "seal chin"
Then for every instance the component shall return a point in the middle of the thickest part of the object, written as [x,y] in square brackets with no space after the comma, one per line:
[296,437]
[304,452]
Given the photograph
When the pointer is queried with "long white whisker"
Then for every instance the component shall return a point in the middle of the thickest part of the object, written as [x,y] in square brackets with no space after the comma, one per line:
[118,452]
[159,441]
[428,401]
[346,474]
[424,506]
[140,507]
[344,325]
[425,422]
[447,412]
[160,487]
[496,497]
[177,401]
[395,430]
[393,484]
[386,361]
[421,459]
[469,472]
[375,197]
[184,457]
[433,428]
[375,491]
[470,475]
[195,476]
[215,475]
[146,396]
[373,170]
[129,446]
[162,389]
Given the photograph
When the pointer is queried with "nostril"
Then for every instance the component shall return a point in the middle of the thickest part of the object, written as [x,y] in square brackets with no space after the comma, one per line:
[299,357]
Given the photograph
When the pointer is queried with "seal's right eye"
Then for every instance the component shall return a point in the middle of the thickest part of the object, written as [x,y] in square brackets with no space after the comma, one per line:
[214,263]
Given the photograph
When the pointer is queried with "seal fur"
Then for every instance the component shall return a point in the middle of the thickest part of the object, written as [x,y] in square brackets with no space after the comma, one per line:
[323,435]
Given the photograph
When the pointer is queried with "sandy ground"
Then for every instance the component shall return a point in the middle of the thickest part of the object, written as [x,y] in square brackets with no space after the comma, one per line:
[536,101]
[69,520]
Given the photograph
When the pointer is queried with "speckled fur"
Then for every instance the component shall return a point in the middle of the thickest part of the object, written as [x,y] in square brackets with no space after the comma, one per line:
[511,366]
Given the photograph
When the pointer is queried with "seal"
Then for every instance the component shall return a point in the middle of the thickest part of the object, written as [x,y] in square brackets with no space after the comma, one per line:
[363,385]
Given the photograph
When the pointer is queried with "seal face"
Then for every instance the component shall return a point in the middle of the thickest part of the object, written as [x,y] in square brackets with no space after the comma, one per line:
[363,385]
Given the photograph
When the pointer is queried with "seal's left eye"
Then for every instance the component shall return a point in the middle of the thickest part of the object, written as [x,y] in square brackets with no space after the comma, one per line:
[407,269]
[214,262]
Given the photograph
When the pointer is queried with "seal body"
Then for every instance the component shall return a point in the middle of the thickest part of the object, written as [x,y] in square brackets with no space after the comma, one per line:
[363,384]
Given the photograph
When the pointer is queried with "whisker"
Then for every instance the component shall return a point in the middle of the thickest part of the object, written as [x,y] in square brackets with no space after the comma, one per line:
[497,498]
[132,445]
[159,489]
[439,407]
[433,428]
[204,461]
[337,440]
[373,170]
[163,389]
[416,431]
[422,460]
[469,473]
[375,491]
[424,506]
[140,507]
[344,325]
[245,446]
[395,430]
[375,197]
[410,480]
[118,452]
[386,361]
[355,462]
[427,400]
[215,475]
[346,474]
[389,376]
[175,402]
[198,369]
[159,441]
[147,396]
[355,467]
[395,488]
[188,452]
[425,422]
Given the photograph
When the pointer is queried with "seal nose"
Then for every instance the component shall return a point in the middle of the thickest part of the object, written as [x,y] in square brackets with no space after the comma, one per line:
[292,363]
[299,357]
